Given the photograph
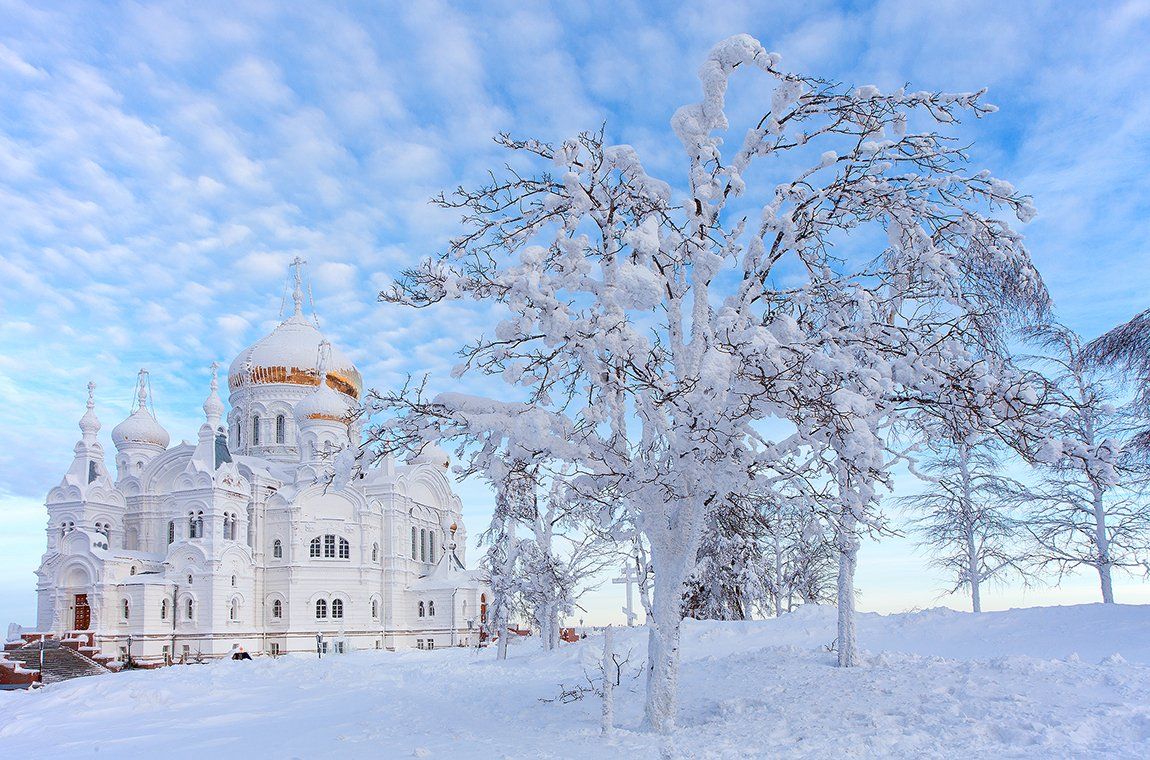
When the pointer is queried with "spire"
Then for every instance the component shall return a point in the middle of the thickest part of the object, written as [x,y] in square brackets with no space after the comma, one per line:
[213,405]
[90,423]
[88,464]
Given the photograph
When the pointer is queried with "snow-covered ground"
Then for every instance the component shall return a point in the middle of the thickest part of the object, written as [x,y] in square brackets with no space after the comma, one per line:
[1045,682]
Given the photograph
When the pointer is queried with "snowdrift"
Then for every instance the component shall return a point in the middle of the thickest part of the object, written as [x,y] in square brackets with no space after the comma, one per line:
[1043,682]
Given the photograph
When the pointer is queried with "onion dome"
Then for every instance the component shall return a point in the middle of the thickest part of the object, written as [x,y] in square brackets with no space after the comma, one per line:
[141,427]
[90,423]
[287,355]
[433,455]
[213,404]
[324,403]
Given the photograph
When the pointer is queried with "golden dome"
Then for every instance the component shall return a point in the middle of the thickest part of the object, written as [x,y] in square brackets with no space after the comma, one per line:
[290,355]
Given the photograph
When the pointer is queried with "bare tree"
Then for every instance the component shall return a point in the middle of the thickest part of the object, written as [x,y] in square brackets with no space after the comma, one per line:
[1127,348]
[1088,510]
[962,518]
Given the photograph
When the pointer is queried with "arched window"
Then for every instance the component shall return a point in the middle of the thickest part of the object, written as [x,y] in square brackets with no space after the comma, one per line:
[189,579]
[320,608]
[171,531]
[421,609]
[255,430]
[163,609]
[431,546]
[126,611]
[422,545]
[374,608]
[277,609]
[277,549]
[330,544]
[132,570]
[337,608]
[431,609]
[233,581]
[414,543]
[191,608]
[234,610]
[281,428]
[375,552]
[195,524]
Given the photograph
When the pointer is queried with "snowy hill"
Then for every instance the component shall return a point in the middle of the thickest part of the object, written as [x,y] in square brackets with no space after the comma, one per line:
[1053,682]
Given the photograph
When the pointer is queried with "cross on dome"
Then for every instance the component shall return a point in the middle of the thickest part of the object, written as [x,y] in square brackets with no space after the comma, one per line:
[297,294]
[140,427]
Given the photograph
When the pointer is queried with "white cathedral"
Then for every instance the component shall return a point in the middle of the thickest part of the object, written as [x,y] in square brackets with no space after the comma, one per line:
[240,539]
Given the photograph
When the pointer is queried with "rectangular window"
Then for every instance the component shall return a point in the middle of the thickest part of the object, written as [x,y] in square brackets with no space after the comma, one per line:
[419,643]
[329,545]
[275,649]
[431,643]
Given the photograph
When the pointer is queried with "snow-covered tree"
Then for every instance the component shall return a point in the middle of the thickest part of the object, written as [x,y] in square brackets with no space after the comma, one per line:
[801,559]
[498,563]
[563,557]
[1090,509]
[962,517]
[727,581]
[805,278]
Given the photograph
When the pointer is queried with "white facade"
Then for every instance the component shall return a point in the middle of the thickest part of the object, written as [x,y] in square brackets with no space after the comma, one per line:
[239,539]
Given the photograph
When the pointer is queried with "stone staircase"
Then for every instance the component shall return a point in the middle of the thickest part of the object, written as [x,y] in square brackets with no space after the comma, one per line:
[61,662]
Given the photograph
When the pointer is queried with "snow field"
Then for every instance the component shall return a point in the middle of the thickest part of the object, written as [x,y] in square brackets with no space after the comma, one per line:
[1061,682]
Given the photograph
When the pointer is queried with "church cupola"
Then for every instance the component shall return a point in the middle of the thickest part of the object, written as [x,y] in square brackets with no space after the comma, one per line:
[140,437]
[322,417]
[268,378]
[212,448]
[88,465]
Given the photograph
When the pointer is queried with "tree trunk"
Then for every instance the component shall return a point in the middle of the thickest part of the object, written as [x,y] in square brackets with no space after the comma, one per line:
[553,625]
[665,626]
[973,575]
[607,724]
[848,560]
[1102,540]
[778,577]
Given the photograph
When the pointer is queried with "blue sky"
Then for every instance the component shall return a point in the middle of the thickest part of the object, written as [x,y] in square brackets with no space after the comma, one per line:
[161,163]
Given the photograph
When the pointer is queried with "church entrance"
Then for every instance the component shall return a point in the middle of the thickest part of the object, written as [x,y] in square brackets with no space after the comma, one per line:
[83,616]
